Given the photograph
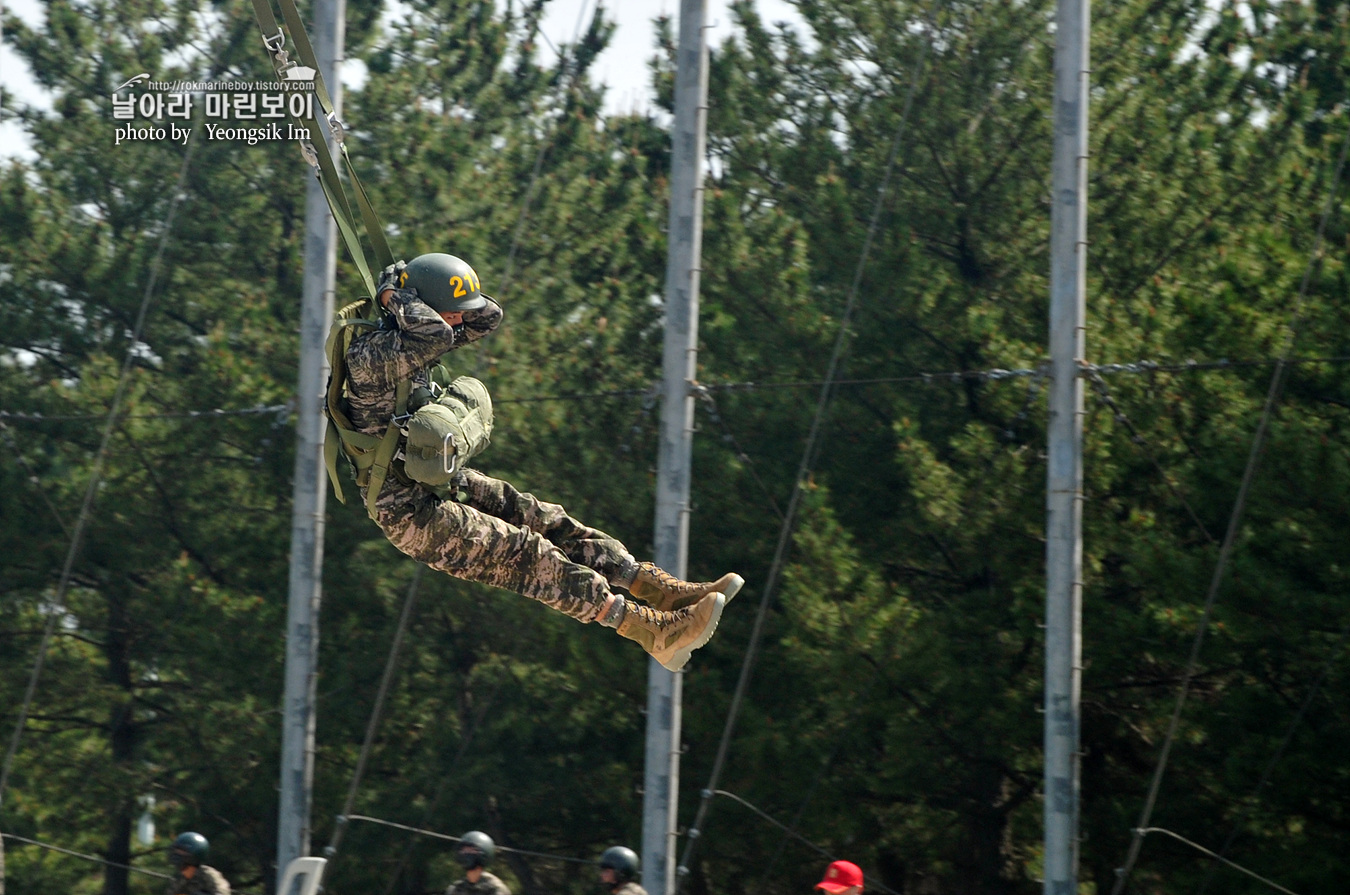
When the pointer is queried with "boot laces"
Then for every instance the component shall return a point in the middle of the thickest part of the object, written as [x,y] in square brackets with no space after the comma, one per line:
[668,582]
[658,619]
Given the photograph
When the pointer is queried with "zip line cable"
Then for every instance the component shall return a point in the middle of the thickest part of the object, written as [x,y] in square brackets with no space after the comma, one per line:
[445,778]
[800,838]
[1275,759]
[729,437]
[104,861]
[448,838]
[1138,438]
[445,837]
[818,779]
[390,663]
[1141,442]
[55,609]
[1274,885]
[785,532]
[1239,505]
[93,858]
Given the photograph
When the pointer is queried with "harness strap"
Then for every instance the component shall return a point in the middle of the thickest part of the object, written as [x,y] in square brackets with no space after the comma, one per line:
[371,221]
[384,454]
[340,433]
[337,201]
[316,150]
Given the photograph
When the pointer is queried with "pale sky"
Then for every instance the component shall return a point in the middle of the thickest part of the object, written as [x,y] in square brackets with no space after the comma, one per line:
[623,67]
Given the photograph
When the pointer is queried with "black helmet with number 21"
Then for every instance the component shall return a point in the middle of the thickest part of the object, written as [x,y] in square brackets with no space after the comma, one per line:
[444,282]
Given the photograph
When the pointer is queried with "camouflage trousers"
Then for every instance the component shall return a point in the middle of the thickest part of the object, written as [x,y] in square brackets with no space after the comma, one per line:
[496,535]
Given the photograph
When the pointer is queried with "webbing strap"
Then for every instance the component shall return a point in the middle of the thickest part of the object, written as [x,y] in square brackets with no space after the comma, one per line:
[384,454]
[273,39]
[371,221]
[336,435]
[357,445]
[374,229]
[337,202]
[262,11]
[306,52]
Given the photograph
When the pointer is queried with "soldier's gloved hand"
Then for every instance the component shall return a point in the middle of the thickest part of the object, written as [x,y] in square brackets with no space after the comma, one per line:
[389,277]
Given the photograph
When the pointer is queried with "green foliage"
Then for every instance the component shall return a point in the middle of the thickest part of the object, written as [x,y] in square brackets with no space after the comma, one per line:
[893,713]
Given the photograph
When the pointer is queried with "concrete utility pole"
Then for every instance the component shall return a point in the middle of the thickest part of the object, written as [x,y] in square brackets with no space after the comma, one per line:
[660,799]
[311,483]
[1064,478]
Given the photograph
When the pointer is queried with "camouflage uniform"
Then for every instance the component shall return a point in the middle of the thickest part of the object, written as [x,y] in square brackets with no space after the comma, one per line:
[487,885]
[204,881]
[629,888]
[490,532]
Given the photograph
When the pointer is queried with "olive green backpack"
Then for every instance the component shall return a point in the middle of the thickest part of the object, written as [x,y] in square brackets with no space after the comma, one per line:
[451,427]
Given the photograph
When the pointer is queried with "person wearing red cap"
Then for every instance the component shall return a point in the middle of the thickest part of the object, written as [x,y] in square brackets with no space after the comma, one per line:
[842,878]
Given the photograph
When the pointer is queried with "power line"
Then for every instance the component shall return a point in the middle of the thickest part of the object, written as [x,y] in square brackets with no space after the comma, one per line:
[39,417]
[1277,380]
[994,374]
[58,603]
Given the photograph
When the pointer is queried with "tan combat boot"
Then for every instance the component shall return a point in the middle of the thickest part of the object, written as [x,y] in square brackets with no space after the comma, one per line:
[670,637]
[667,593]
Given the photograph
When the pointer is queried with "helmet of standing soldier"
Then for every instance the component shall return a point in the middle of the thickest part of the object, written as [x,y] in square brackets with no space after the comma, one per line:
[475,850]
[444,282]
[188,850]
[623,861]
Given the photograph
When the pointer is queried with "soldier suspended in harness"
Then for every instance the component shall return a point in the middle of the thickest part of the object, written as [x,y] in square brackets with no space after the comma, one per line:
[409,431]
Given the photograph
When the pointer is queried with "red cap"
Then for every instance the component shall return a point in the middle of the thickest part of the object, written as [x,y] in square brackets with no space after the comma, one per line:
[839,876]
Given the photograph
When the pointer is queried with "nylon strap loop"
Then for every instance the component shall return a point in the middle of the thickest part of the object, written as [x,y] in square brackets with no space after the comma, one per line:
[331,442]
[305,51]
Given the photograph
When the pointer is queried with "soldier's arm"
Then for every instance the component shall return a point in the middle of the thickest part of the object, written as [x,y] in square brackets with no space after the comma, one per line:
[478,323]
[412,339]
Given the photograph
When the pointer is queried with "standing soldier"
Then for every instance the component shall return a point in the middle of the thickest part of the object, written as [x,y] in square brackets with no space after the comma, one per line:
[474,853]
[619,870]
[192,876]
[410,432]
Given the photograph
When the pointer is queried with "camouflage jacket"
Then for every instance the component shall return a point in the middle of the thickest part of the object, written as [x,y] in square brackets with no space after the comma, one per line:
[410,340]
[205,881]
[487,885]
